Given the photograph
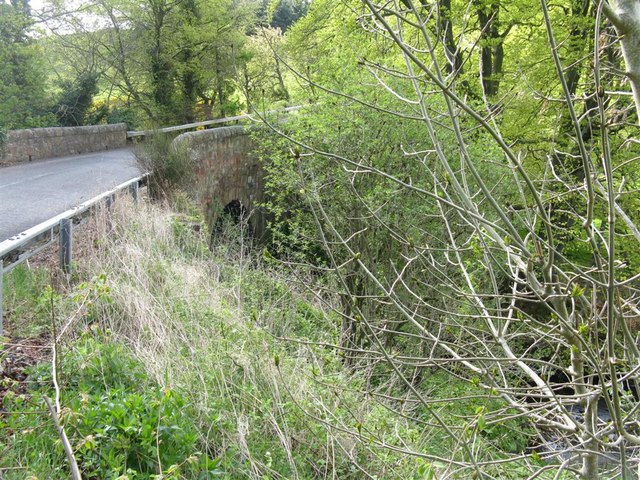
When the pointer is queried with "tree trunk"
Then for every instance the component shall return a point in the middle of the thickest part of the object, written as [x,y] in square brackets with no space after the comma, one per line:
[219,84]
[567,158]
[492,52]
[159,67]
[625,17]
[189,79]
[445,27]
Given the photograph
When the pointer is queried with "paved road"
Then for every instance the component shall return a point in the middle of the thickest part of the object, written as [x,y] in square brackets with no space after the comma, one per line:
[31,193]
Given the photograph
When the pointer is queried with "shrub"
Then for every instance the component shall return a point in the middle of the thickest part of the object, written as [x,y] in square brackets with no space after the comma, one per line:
[118,421]
[124,115]
[171,166]
[75,101]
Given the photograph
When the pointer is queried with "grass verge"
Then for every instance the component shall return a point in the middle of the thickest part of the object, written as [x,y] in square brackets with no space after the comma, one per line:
[176,361]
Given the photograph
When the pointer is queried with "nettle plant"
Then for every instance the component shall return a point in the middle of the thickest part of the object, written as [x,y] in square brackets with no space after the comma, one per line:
[118,420]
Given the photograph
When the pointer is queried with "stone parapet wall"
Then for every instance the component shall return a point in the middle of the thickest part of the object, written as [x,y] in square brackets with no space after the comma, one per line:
[226,170]
[38,143]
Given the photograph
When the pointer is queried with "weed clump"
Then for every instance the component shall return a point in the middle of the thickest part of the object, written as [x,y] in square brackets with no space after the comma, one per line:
[118,420]
[173,170]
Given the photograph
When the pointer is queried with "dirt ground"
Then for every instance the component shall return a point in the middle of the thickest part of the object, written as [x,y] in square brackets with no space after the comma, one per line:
[18,354]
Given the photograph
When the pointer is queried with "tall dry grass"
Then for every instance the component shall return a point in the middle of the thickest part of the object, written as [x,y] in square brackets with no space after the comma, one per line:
[208,322]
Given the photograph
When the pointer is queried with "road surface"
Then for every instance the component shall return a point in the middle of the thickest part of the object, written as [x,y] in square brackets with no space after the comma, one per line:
[31,193]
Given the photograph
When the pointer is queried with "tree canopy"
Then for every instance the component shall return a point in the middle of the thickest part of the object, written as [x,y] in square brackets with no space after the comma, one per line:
[22,83]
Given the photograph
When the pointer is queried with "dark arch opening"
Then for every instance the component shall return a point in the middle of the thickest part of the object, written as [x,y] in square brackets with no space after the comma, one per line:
[234,214]
[235,211]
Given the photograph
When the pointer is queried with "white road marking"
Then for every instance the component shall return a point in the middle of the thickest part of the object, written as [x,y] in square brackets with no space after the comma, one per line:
[24,180]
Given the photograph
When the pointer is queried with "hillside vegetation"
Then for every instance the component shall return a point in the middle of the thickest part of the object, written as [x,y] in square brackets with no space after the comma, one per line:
[451,280]
[175,361]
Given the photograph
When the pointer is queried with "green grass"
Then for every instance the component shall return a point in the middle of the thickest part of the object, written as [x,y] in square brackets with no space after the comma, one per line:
[27,300]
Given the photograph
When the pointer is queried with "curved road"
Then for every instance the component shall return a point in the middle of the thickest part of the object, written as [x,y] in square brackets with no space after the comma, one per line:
[31,193]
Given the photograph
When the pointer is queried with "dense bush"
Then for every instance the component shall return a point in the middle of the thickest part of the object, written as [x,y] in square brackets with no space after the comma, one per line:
[118,421]
[72,108]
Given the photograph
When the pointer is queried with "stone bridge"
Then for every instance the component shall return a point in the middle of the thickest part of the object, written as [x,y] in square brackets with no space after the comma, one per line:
[228,174]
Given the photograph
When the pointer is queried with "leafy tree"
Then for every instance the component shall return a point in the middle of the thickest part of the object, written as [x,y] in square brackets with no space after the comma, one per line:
[171,60]
[263,75]
[445,234]
[75,101]
[284,13]
[22,87]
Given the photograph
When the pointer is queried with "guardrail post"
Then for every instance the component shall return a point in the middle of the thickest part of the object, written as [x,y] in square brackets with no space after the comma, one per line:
[133,188]
[65,225]
[66,244]
[110,199]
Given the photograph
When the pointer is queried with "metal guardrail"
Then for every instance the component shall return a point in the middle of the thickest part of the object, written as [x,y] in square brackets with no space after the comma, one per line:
[25,245]
[206,123]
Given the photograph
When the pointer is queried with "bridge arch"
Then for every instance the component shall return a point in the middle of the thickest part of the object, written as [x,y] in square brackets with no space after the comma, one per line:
[227,172]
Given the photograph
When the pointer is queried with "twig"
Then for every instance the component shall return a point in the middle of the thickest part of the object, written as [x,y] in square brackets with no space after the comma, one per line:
[75,471]
[54,353]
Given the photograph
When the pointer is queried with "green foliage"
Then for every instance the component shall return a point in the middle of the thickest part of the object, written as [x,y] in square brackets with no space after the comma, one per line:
[76,98]
[183,57]
[265,78]
[117,420]
[165,63]
[28,300]
[189,233]
[283,14]
[363,187]
[315,199]
[124,115]
[22,87]
[242,399]
[360,193]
